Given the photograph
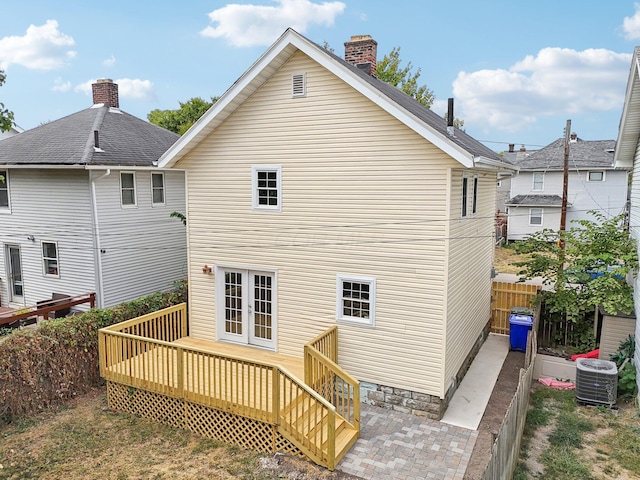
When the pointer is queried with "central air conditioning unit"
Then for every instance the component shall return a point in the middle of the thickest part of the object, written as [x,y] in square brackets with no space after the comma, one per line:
[596,381]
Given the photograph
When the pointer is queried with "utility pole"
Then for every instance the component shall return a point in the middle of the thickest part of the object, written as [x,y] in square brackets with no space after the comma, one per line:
[560,280]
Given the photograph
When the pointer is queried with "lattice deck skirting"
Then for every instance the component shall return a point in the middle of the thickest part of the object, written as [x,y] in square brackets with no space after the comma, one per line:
[209,422]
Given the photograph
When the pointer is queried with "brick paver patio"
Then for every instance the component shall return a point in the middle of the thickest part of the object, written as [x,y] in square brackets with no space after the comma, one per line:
[395,445]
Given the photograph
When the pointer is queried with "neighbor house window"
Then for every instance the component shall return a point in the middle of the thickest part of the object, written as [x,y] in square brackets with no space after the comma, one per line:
[157,188]
[596,176]
[474,205]
[356,299]
[538,181]
[267,187]
[535,216]
[465,194]
[4,189]
[128,188]
[50,258]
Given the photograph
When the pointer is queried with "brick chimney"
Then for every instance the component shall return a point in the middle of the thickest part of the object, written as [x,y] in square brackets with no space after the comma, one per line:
[361,51]
[105,91]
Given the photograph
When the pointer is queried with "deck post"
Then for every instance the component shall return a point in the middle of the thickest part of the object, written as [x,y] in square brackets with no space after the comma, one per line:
[275,395]
[307,365]
[356,407]
[181,372]
[331,441]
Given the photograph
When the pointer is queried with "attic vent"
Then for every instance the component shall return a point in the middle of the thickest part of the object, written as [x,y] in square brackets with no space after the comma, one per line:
[298,85]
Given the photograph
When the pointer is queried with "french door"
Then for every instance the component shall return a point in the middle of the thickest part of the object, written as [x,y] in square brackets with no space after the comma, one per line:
[246,310]
[14,263]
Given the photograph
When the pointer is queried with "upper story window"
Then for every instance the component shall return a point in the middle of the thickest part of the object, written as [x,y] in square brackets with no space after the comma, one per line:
[474,205]
[267,187]
[4,190]
[596,176]
[356,299]
[128,188]
[538,181]
[465,195]
[157,188]
[50,258]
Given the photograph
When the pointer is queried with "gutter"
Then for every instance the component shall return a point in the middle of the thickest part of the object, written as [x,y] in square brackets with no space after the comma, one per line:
[96,240]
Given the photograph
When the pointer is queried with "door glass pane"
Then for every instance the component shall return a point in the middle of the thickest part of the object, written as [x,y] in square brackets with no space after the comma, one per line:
[262,307]
[16,272]
[233,303]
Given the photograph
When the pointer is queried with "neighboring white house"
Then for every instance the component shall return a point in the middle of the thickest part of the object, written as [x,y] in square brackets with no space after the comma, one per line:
[14,130]
[594,183]
[319,195]
[627,155]
[83,207]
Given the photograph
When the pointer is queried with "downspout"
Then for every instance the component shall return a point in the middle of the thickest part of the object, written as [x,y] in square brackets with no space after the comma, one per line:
[96,240]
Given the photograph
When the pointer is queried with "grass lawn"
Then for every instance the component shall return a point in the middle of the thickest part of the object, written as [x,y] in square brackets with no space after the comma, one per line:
[88,440]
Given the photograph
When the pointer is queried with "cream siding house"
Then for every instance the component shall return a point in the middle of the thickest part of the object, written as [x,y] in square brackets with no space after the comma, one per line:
[627,155]
[318,195]
[84,209]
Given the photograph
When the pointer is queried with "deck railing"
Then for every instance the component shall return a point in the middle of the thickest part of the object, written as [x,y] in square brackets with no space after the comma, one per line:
[129,355]
[325,376]
[44,308]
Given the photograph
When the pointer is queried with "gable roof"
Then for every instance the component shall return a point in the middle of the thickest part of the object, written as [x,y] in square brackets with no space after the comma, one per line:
[124,140]
[462,147]
[583,154]
[629,129]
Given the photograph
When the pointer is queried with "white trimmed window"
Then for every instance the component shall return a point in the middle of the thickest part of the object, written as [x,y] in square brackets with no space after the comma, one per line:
[4,190]
[474,204]
[356,299]
[538,181]
[593,176]
[535,216]
[128,189]
[157,188]
[50,259]
[266,183]
[465,195]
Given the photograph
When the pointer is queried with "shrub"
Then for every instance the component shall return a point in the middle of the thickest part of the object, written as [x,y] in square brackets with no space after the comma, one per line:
[43,367]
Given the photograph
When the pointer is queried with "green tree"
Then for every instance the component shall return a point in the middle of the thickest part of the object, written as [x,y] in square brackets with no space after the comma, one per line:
[389,70]
[599,255]
[6,116]
[181,119]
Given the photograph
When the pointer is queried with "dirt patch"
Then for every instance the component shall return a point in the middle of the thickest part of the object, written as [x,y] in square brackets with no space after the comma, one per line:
[499,401]
[505,257]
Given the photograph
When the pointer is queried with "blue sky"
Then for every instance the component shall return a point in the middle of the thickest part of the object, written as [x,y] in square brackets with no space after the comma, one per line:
[518,70]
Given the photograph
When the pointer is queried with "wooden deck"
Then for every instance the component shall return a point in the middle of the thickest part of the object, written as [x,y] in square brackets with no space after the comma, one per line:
[244,395]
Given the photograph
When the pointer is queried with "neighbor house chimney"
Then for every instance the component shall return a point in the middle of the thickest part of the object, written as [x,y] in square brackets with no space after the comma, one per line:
[574,138]
[450,129]
[511,147]
[361,51]
[105,91]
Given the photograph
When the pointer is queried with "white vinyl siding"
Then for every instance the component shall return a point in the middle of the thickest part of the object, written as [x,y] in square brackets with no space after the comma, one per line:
[4,191]
[356,299]
[157,188]
[50,262]
[128,189]
[363,194]
[143,249]
[63,216]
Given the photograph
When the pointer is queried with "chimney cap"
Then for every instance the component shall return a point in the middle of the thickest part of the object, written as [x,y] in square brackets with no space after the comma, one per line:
[104,80]
[360,38]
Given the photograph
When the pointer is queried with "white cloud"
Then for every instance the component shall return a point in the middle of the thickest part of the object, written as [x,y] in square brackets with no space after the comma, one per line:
[41,48]
[251,25]
[631,25]
[61,86]
[131,88]
[555,81]
[109,62]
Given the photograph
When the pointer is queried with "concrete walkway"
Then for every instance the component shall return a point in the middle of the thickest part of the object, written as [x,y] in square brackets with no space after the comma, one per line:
[395,445]
[470,399]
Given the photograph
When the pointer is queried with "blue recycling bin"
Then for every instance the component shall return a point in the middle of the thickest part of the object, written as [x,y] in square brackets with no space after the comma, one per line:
[519,326]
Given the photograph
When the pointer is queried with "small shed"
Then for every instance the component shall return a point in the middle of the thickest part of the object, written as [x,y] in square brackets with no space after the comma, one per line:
[615,329]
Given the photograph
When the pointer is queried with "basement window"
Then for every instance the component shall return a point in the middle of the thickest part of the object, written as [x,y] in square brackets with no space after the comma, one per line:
[298,85]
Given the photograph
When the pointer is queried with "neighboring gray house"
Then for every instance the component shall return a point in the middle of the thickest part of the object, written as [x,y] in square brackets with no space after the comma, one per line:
[594,183]
[627,155]
[83,207]
[14,130]
[503,188]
